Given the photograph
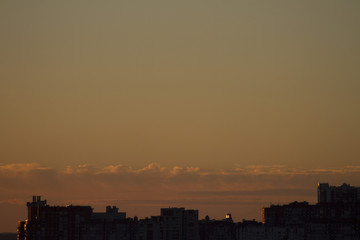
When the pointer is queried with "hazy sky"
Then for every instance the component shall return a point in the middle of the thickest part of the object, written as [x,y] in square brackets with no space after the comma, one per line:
[214,85]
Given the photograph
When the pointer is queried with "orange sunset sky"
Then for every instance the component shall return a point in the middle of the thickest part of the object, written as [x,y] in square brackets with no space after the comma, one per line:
[222,106]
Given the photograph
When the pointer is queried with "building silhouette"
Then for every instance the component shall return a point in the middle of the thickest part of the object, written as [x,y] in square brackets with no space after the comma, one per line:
[335,216]
[72,222]
[47,222]
[53,222]
[332,194]
[172,224]
[217,229]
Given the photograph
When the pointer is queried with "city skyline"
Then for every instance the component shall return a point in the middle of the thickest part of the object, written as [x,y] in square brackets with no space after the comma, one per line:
[334,216]
[141,192]
[223,105]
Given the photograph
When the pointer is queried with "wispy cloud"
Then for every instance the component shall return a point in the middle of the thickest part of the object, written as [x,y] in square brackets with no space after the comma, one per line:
[20,168]
[250,180]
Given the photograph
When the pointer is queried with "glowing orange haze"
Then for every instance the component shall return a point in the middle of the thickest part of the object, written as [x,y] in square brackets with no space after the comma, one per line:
[142,192]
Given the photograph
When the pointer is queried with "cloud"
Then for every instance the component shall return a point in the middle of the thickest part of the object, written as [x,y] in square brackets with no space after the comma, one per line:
[250,180]
[116,169]
[20,168]
[179,170]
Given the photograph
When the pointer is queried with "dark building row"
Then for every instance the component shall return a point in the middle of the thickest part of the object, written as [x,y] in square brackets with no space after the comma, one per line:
[335,216]
[321,221]
[81,223]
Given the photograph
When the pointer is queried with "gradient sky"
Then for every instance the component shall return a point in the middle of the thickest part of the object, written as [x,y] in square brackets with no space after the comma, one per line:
[214,86]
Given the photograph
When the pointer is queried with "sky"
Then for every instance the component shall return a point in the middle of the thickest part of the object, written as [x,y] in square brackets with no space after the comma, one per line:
[221,106]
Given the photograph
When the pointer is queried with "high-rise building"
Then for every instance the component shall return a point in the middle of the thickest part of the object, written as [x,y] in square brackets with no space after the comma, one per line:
[172,224]
[53,222]
[335,216]
[332,194]
[72,223]
[81,223]
[178,223]
[217,229]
